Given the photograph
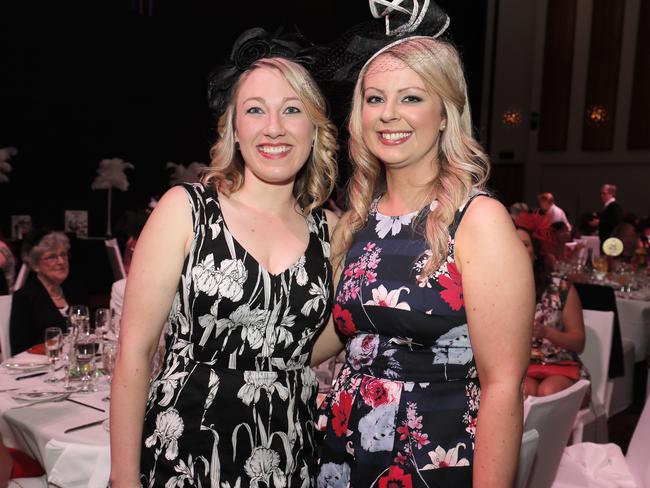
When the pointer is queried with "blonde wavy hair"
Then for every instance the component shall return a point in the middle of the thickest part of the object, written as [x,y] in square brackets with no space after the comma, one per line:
[461,163]
[316,180]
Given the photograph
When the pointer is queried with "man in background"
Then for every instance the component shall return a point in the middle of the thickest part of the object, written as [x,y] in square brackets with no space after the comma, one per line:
[612,213]
[546,202]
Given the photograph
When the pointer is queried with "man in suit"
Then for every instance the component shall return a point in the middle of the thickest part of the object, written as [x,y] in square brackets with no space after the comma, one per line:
[612,212]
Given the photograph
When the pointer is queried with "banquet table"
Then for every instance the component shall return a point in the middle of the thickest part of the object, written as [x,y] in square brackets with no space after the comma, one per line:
[77,459]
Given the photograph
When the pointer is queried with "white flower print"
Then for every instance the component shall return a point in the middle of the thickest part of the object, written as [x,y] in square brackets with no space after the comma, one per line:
[261,465]
[443,459]
[301,272]
[186,472]
[453,347]
[308,378]
[169,382]
[256,381]
[321,294]
[228,280]
[381,297]
[213,386]
[251,322]
[169,428]
[386,223]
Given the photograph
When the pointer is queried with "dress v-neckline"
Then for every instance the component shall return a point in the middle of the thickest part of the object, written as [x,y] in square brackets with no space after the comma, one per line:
[248,253]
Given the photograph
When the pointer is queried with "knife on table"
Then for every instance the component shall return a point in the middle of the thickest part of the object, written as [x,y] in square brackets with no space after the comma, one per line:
[83,426]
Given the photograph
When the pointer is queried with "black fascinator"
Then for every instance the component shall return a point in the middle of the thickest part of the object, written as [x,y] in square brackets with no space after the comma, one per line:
[395,20]
[253,45]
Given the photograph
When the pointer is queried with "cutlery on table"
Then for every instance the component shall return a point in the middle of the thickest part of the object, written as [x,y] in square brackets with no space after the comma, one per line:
[84,426]
[85,404]
[33,375]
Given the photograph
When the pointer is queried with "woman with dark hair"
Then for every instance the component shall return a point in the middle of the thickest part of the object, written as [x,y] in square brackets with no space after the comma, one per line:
[44,300]
[558,328]
[435,294]
[238,265]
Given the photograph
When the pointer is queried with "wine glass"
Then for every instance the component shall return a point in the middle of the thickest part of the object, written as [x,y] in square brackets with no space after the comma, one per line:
[79,318]
[102,321]
[86,347]
[53,345]
[600,266]
[109,349]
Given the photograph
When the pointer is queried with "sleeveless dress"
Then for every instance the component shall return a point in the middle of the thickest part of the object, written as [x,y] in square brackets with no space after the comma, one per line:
[548,313]
[403,409]
[234,403]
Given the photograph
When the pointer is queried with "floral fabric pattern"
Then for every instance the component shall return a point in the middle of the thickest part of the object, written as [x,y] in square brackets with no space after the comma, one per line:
[234,402]
[403,410]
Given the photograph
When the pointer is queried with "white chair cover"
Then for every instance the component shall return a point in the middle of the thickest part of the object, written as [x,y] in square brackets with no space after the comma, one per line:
[604,466]
[5,312]
[637,452]
[553,417]
[115,258]
[591,423]
[40,482]
[21,277]
[529,442]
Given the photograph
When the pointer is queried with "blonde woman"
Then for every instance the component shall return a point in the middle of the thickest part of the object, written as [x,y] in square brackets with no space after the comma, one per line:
[239,265]
[435,293]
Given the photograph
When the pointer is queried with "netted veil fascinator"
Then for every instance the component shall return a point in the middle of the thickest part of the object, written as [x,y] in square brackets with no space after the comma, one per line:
[395,20]
[253,45]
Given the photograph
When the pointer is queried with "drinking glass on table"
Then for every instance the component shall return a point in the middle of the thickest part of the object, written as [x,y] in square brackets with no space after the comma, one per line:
[79,318]
[600,266]
[102,321]
[53,346]
[86,347]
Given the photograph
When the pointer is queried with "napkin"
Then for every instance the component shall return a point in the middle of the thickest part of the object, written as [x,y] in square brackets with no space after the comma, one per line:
[77,465]
[594,466]
[37,349]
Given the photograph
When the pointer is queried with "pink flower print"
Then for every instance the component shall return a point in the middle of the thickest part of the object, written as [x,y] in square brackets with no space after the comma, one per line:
[371,277]
[369,246]
[420,439]
[381,297]
[403,430]
[400,458]
[453,294]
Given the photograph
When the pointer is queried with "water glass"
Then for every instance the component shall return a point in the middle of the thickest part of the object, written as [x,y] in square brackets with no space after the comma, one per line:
[86,347]
[53,346]
[108,358]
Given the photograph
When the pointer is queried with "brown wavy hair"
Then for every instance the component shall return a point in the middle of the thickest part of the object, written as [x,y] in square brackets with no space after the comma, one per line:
[317,178]
[461,163]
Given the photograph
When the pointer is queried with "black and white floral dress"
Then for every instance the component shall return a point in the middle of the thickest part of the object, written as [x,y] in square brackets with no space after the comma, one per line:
[234,403]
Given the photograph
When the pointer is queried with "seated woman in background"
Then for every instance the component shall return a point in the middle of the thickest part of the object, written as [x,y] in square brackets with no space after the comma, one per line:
[7,269]
[558,328]
[44,301]
[634,253]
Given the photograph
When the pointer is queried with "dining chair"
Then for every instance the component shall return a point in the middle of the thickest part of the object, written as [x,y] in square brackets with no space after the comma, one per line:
[527,452]
[5,314]
[603,465]
[115,258]
[40,482]
[21,277]
[553,417]
[591,422]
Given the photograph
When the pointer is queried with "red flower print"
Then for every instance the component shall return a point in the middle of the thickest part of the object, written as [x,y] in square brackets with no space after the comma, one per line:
[341,414]
[453,294]
[403,430]
[396,478]
[343,320]
[400,458]
[376,392]
[421,439]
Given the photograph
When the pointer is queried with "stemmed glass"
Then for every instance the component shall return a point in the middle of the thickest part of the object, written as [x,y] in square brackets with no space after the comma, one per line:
[102,321]
[109,349]
[79,317]
[53,345]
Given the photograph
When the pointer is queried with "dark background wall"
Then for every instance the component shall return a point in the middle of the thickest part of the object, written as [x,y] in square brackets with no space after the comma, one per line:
[81,81]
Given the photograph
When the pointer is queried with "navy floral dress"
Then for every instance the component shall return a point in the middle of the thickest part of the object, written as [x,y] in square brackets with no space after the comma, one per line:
[234,403]
[403,409]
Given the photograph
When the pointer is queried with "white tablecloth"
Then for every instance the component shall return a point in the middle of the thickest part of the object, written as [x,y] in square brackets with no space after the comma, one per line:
[78,459]
[634,319]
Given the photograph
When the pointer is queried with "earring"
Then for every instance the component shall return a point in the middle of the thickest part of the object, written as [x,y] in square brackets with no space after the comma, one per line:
[443,127]
[237,146]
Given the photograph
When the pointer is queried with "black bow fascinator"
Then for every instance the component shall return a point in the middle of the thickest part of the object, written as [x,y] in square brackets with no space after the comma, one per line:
[394,21]
[253,45]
